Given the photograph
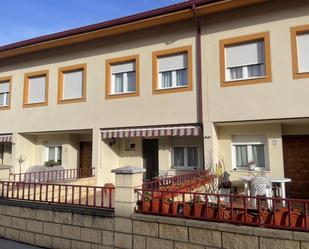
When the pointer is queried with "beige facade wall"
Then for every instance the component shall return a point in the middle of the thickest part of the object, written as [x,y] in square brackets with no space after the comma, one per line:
[97,112]
[273,136]
[283,97]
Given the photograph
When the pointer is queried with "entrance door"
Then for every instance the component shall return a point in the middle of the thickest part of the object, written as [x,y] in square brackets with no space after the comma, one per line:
[296,165]
[151,157]
[85,150]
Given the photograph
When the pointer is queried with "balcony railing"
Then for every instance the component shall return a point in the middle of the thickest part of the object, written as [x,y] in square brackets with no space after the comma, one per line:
[291,214]
[78,195]
[52,175]
[168,181]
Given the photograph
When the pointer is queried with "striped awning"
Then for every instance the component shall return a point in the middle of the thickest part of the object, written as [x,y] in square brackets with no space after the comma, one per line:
[189,130]
[6,138]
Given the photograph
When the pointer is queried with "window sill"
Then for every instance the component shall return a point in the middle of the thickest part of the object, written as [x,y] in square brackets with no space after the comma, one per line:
[71,101]
[185,168]
[3,108]
[173,89]
[264,79]
[300,75]
[248,171]
[28,105]
[122,95]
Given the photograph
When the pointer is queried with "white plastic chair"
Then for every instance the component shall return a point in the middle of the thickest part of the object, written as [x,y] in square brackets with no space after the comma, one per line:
[261,186]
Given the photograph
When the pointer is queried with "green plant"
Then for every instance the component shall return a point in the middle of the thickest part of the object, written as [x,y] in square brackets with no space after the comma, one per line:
[52,163]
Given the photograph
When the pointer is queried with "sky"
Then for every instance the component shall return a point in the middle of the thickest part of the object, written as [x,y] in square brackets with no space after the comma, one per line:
[24,19]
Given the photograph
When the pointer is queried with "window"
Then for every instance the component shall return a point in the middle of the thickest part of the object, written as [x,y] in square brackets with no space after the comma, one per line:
[172,70]
[245,60]
[54,153]
[185,157]
[5,93]
[300,51]
[72,84]
[36,89]
[122,77]
[246,149]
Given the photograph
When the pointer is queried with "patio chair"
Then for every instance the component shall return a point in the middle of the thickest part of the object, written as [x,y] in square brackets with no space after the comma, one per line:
[261,186]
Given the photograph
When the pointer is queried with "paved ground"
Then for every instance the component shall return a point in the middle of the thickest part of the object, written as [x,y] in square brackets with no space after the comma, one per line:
[7,244]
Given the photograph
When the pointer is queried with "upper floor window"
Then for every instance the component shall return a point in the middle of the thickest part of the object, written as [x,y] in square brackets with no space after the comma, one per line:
[300,51]
[249,150]
[245,60]
[122,77]
[72,84]
[172,70]
[5,93]
[36,89]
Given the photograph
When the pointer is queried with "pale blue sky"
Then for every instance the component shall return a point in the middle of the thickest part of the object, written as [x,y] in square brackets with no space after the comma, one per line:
[24,19]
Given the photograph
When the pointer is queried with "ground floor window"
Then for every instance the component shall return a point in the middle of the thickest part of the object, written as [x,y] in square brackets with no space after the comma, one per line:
[248,150]
[185,157]
[54,153]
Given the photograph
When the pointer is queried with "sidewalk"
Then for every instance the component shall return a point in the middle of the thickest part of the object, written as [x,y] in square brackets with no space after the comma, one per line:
[7,244]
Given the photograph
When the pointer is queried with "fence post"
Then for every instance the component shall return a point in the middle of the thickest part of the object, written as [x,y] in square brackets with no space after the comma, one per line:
[127,179]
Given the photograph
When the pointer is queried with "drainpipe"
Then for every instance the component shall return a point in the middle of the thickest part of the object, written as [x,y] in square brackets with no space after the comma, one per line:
[199,88]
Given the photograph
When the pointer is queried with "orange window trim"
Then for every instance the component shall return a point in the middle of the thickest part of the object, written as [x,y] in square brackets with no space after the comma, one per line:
[68,69]
[167,52]
[240,40]
[295,67]
[26,88]
[4,80]
[108,80]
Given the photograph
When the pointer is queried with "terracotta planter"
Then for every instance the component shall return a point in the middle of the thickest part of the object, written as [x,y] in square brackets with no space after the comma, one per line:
[187,209]
[166,206]
[156,195]
[281,217]
[199,209]
[175,206]
[224,213]
[211,212]
[250,218]
[155,205]
[146,206]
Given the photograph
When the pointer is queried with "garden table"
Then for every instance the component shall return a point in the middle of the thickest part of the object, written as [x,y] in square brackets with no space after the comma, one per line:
[281,181]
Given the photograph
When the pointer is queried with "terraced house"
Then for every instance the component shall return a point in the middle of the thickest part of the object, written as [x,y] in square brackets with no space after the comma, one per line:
[168,90]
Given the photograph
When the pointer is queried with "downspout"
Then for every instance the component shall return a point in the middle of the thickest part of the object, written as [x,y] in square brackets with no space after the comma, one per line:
[199,88]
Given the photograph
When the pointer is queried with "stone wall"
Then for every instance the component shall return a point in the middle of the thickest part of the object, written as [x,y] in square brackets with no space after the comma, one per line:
[56,227]
[59,228]
[150,232]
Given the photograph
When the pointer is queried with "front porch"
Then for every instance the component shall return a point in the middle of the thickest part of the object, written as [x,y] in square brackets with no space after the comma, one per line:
[278,148]
[52,156]
[162,150]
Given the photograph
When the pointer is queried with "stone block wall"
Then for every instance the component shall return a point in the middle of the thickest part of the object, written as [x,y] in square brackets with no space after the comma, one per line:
[64,229]
[150,232]
[56,229]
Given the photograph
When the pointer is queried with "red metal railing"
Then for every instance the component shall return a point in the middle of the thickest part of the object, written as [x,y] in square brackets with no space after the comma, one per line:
[89,196]
[291,214]
[53,175]
[168,181]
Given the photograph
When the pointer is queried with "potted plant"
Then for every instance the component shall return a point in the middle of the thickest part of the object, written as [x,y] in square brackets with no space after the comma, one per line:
[199,207]
[175,207]
[166,205]
[211,211]
[251,165]
[155,205]
[188,208]
[146,202]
